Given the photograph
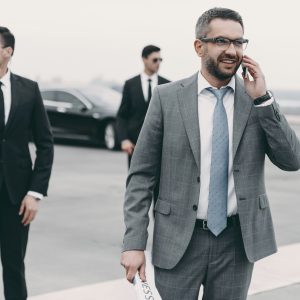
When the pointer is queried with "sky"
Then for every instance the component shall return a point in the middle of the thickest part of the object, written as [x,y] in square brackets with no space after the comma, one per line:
[80,40]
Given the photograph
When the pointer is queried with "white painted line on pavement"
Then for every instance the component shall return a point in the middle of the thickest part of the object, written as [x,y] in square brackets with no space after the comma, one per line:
[279,270]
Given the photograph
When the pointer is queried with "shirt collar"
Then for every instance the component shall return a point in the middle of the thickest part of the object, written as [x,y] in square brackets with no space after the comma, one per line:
[6,78]
[146,76]
[203,83]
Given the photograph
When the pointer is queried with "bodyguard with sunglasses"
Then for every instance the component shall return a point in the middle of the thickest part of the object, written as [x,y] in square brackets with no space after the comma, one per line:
[137,94]
[208,137]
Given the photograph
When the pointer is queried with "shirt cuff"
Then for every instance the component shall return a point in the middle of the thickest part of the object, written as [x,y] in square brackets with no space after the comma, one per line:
[266,103]
[35,195]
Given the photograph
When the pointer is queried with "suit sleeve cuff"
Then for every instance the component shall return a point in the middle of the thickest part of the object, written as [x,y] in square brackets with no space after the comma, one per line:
[134,245]
[267,103]
[35,195]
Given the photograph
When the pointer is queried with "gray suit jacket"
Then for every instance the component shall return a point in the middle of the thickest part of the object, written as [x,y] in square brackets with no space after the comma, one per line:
[169,143]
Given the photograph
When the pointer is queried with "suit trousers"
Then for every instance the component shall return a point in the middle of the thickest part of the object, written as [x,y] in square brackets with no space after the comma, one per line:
[13,243]
[218,263]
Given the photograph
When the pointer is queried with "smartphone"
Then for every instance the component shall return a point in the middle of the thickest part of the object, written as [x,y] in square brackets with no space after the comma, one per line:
[245,71]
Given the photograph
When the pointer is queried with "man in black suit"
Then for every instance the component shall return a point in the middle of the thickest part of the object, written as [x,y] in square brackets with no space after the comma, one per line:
[137,93]
[22,115]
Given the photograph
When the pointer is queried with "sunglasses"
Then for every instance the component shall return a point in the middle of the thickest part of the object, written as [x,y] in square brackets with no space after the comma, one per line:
[156,60]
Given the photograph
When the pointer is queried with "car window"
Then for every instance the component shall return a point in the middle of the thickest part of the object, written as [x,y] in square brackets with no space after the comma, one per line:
[69,98]
[103,97]
[48,95]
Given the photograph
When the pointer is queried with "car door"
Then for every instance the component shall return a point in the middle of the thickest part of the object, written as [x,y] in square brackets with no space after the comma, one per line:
[52,108]
[74,115]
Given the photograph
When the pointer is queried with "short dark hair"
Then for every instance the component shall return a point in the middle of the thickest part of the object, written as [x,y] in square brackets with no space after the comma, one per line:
[215,13]
[149,49]
[7,38]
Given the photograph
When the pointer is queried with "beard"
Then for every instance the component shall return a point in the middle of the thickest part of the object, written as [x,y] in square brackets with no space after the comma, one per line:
[212,67]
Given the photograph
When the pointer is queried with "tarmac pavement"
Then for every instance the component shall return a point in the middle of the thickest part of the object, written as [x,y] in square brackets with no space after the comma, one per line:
[76,239]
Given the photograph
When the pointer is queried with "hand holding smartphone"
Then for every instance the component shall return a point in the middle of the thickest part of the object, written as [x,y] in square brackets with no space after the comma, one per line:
[254,80]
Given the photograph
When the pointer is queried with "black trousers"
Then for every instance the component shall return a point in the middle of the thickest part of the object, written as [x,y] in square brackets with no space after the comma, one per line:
[13,243]
[129,160]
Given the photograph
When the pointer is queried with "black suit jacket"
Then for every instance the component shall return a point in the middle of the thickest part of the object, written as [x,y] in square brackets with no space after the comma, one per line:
[133,109]
[27,119]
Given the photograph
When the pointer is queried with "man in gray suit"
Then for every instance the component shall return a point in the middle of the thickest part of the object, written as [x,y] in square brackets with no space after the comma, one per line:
[208,136]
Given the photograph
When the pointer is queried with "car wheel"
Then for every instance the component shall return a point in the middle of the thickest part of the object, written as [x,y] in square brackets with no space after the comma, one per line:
[110,136]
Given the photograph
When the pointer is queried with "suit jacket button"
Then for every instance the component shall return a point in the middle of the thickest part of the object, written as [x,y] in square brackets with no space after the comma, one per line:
[195,207]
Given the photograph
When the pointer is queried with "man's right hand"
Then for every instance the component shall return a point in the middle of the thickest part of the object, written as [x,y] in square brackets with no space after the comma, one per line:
[133,261]
[127,146]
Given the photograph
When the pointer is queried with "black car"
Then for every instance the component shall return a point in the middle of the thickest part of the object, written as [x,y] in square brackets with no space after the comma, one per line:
[86,114]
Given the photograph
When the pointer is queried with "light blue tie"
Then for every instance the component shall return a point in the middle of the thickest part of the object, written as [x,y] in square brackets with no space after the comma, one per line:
[218,186]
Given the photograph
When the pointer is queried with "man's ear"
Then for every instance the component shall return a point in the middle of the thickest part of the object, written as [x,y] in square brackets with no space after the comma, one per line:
[9,52]
[198,45]
[144,59]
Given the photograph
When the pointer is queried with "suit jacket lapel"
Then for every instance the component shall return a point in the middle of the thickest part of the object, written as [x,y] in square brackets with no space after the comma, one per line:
[242,108]
[188,106]
[15,98]
[160,80]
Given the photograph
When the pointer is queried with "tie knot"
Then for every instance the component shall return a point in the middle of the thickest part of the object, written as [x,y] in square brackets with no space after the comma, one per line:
[219,94]
[149,80]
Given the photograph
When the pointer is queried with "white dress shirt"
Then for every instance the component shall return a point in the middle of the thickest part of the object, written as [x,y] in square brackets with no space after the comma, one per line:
[6,89]
[206,106]
[145,83]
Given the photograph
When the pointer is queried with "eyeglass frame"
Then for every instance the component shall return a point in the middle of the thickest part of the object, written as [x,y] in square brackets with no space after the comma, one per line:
[231,41]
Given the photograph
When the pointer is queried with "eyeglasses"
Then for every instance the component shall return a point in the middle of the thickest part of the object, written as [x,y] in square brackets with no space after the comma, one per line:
[155,60]
[224,43]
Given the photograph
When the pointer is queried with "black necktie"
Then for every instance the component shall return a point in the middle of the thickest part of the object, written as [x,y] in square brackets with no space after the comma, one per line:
[2,112]
[149,90]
